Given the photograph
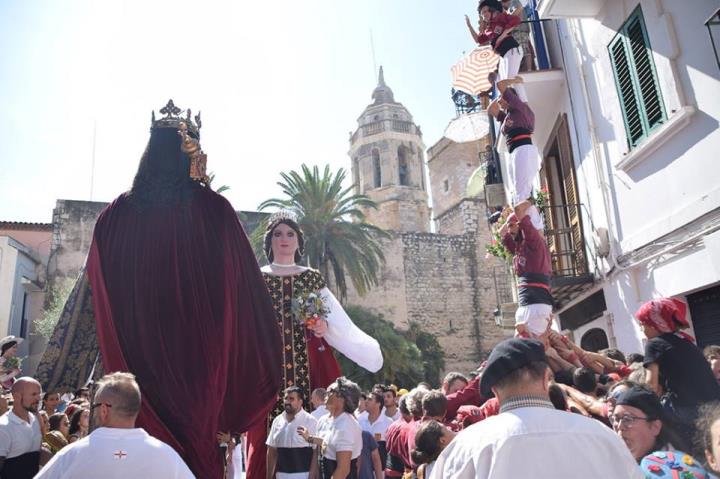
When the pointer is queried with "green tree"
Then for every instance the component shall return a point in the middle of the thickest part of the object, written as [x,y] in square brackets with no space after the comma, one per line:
[433,357]
[402,365]
[57,295]
[337,237]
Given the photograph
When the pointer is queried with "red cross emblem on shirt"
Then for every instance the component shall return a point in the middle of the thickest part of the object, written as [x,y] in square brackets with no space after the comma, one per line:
[120,454]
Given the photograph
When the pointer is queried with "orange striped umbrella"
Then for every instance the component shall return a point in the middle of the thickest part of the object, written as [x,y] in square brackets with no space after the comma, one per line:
[471,73]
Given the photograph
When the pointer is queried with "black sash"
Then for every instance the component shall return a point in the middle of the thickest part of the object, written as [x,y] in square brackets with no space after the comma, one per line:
[294,459]
[395,463]
[328,467]
[24,466]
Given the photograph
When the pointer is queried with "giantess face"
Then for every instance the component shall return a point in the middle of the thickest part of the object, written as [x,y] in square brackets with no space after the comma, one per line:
[284,241]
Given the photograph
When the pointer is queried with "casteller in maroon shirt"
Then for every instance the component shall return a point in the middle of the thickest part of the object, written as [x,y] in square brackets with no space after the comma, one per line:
[531,262]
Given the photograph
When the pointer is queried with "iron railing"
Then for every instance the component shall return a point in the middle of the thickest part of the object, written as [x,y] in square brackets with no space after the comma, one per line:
[503,280]
[565,239]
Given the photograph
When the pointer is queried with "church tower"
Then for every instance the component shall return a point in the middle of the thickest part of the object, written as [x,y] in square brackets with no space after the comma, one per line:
[387,154]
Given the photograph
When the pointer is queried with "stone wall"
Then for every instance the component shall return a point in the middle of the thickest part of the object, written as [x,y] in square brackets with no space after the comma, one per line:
[444,283]
[450,165]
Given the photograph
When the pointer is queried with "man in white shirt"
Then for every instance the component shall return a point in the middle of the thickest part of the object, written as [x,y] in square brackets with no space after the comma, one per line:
[390,401]
[529,438]
[20,437]
[317,399]
[376,422]
[116,449]
[289,456]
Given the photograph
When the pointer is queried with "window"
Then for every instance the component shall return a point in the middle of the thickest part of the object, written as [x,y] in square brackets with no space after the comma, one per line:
[636,80]
[377,177]
[356,174]
[713,26]
[402,166]
[446,186]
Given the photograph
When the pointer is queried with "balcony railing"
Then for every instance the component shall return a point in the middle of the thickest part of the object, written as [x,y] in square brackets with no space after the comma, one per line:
[385,125]
[564,235]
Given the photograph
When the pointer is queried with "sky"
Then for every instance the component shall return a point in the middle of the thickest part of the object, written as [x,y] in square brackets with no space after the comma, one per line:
[279,84]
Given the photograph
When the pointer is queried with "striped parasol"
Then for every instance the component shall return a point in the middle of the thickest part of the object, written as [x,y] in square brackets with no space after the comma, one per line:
[471,73]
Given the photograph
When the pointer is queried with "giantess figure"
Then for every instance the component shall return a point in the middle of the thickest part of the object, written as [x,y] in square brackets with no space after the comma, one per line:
[173,294]
[307,350]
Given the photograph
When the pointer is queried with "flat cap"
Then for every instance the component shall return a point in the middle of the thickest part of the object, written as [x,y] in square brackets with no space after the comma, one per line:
[508,356]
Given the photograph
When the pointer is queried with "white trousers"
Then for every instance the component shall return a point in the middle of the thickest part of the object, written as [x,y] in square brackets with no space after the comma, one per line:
[536,317]
[523,167]
[508,68]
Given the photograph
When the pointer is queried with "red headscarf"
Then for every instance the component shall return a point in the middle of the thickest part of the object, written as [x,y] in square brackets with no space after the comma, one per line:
[667,315]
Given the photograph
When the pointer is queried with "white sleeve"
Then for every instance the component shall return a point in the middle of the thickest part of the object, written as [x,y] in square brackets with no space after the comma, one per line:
[312,425]
[344,439]
[348,339]
[271,437]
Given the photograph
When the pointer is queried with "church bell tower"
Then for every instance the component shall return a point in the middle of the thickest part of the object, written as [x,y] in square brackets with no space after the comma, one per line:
[388,163]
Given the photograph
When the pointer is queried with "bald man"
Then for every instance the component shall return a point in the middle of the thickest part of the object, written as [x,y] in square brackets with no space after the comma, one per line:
[116,448]
[20,436]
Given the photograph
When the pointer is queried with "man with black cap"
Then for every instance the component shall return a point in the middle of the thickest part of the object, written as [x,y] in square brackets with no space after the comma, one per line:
[530,438]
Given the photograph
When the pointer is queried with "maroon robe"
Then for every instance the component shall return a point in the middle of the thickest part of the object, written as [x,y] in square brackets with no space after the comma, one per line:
[180,302]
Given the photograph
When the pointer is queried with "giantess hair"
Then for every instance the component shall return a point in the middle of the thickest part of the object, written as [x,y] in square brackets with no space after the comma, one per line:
[163,176]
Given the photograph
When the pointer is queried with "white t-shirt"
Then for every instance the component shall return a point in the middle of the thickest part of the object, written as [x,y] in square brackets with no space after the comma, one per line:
[284,434]
[319,411]
[339,434]
[18,437]
[377,428]
[536,442]
[110,453]
[395,416]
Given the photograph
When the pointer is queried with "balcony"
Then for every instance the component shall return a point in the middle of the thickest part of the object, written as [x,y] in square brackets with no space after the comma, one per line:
[568,252]
[568,8]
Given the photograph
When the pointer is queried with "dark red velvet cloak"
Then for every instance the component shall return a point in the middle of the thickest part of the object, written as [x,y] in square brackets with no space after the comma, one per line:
[180,302]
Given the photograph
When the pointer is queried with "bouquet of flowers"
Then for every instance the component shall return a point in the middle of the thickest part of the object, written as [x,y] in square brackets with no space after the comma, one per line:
[11,363]
[309,309]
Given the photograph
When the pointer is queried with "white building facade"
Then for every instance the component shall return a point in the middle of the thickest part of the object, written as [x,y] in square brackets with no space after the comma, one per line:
[627,105]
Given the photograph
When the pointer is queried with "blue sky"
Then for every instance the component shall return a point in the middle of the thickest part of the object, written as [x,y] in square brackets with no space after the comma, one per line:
[279,83]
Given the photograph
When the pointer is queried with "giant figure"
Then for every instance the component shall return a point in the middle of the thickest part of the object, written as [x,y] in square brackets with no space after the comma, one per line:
[307,350]
[173,293]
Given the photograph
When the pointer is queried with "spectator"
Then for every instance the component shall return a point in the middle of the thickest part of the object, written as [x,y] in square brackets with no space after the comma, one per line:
[675,366]
[50,402]
[116,449]
[517,373]
[20,435]
[79,424]
[370,465]
[414,404]
[640,421]
[8,350]
[288,455]
[317,399]
[398,460]
[430,440]
[453,382]
[339,436]
[633,358]
[709,434]
[83,393]
[56,437]
[376,423]
[390,403]
[712,355]
[434,406]
[361,410]
[557,397]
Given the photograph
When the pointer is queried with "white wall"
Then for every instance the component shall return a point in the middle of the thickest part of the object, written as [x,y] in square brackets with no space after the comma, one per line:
[678,182]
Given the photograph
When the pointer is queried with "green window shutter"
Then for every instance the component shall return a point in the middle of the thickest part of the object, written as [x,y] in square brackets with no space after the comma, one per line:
[645,72]
[636,79]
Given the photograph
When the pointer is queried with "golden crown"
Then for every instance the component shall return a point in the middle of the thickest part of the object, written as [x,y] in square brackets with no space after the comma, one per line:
[173,118]
[189,133]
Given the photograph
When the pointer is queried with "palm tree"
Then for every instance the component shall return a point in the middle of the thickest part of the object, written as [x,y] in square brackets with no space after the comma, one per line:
[337,236]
